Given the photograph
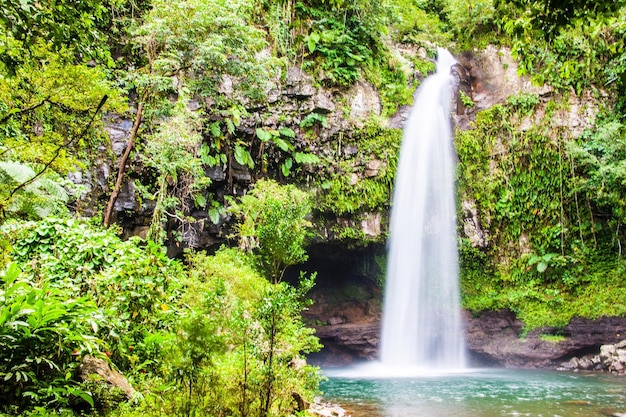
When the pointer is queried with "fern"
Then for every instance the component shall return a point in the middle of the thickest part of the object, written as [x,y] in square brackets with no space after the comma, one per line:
[41,198]
[16,172]
[50,187]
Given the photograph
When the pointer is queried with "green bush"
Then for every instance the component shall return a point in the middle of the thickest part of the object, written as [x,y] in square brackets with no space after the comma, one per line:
[133,283]
[44,332]
[273,225]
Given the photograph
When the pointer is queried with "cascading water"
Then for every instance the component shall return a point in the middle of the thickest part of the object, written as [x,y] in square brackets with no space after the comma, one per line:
[421,314]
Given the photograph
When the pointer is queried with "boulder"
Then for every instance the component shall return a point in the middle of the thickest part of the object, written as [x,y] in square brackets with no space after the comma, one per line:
[612,358]
[325,409]
[299,84]
[95,366]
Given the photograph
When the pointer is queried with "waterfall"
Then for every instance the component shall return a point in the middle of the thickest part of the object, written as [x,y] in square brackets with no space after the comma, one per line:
[421,314]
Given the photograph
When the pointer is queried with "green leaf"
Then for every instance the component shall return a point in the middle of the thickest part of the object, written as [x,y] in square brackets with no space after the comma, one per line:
[214,215]
[52,188]
[286,167]
[215,129]
[542,266]
[287,132]
[84,395]
[306,158]
[282,144]
[263,134]
[12,272]
[243,157]
[16,171]
[230,126]
[199,200]
[312,41]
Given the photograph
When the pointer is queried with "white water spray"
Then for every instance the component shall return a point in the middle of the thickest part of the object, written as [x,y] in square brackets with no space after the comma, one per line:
[421,315]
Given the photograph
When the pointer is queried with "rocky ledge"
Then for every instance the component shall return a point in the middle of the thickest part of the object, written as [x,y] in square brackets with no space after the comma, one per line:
[497,338]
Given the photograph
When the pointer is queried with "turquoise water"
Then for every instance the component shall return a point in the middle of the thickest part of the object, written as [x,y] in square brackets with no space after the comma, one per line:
[480,393]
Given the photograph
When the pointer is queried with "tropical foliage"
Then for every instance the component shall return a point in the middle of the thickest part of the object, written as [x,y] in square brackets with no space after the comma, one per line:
[214,337]
[221,334]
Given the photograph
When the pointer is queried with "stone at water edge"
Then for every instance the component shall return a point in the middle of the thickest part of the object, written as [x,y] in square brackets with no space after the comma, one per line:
[612,358]
[323,409]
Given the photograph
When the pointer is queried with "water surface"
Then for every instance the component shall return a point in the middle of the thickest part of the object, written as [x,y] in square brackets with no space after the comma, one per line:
[480,393]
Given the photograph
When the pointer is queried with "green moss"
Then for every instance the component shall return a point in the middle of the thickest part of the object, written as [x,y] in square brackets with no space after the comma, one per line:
[356,292]
[342,196]
[390,76]
[354,187]
[549,257]
[552,338]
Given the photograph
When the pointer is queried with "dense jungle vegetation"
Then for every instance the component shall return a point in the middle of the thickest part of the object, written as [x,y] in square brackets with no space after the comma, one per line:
[220,334]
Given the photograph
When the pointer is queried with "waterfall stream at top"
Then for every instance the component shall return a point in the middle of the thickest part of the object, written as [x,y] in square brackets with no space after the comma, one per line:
[422,327]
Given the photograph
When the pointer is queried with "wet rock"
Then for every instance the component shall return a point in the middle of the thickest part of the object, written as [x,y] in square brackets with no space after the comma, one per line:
[607,352]
[372,168]
[226,87]
[241,173]
[358,340]
[492,74]
[194,105]
[350,150]
[398,120]
[127,198]
[336,320]
[371,224]
[299,84]
[364,101]
[216,173]
[323,103]
[495,335]
[472,224]
[118,130]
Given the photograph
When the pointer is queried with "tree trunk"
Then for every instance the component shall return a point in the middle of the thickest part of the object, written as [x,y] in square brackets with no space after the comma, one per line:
[122,168]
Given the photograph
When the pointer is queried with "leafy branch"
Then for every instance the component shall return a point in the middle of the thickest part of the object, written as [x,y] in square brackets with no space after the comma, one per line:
[57,153]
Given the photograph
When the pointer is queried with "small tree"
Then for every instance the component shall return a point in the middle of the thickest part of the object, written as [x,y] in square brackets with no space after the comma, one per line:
[239,350]
[274,226]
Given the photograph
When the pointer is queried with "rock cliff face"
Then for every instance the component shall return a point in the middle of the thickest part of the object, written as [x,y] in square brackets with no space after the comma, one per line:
[347,302]
[319,118]
[348,295]
[495,337]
